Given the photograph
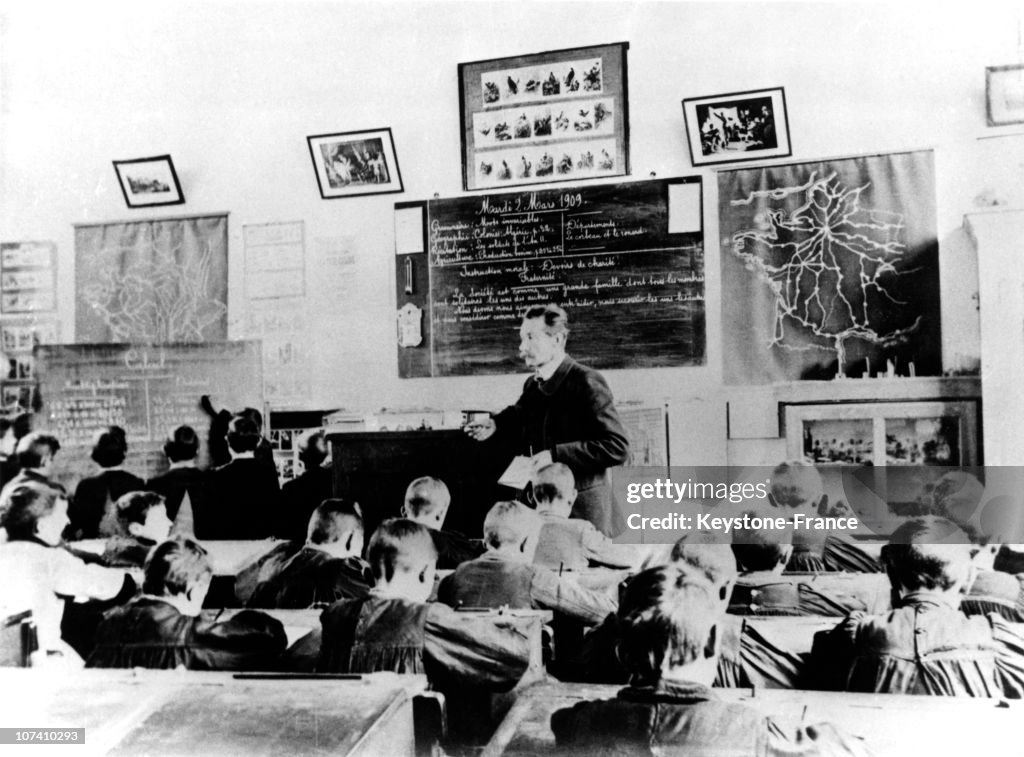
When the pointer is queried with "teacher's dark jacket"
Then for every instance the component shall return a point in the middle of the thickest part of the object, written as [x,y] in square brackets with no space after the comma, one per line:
[572,415]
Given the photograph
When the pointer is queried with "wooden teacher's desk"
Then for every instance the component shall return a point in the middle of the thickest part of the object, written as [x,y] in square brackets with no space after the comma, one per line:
[154,712]
[888,724]
[375,467]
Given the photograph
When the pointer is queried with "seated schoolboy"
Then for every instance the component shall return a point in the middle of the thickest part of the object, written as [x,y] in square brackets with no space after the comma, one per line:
[327,568]
[183,474]
[426,502]
[35,519]
[92,513]
[749,654]
[162,628]
[35,453]
[302,495]
[669,639]
[565,542]
[762,590]
[761,556]
[505,575]
[142,517]
[242,497]
[395,629]
[795,488]
[925,645]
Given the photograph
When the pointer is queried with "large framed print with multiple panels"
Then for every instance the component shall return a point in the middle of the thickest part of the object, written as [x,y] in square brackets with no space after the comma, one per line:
[554,116]
[884,433]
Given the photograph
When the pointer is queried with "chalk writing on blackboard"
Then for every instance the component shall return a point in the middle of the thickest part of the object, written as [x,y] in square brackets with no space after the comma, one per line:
[635,292]
[147,390]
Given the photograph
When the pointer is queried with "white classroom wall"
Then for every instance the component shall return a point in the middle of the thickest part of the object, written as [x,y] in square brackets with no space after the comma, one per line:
[231,90]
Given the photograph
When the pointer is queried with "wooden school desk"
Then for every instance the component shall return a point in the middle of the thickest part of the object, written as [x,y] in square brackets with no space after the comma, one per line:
[303,630]
[227,557]
[889,724]
[157,712]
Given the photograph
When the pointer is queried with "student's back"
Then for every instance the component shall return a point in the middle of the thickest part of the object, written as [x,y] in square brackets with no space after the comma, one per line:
[373,635]
[243,496]
[395,629]
[672,719]
[90,515]
[163,628]
[150,633]
[489,581]
[564,542]
[241,502]
[668,644]
[299,498]
[925,645]
[174,483]
[313,577]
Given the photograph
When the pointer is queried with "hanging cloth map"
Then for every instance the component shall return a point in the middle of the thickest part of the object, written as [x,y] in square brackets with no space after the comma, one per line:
[830,269]
[156,281]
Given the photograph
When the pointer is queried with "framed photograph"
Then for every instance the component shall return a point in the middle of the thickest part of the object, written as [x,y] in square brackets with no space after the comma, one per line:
[546,117]
[737,126]
[1004,94]
[942,433]
[354,163]
[146,182]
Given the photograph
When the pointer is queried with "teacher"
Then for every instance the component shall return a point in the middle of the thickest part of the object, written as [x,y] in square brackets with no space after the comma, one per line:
[565,415]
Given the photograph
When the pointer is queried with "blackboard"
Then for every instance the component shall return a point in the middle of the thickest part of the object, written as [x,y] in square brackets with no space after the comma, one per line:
[147,390]
[633,290]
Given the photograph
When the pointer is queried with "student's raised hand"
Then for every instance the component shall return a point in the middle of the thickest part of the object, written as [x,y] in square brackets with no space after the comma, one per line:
[481,429]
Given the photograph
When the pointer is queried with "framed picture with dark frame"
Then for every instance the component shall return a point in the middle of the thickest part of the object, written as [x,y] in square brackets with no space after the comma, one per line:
[737,126]
[147,182]
[939,432]
[353,163]
[545,117]
[1004,95]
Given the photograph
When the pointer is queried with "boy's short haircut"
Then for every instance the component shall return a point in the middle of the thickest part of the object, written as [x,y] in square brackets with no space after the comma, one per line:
[111,447]
[757,549]
[804,485]
[174,567]
[706,557]
[927,553]
[425,496]
[134,506]
[243,434]
[254,415]
[182,444]
[333,519]
[399,545]
[666,618]
[27,504]
[553,481]
[510,522]
[32,447]
[313,450]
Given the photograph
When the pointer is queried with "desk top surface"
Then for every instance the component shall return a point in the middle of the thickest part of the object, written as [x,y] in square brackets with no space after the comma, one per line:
[889,724]
[227,557]
[189,712]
